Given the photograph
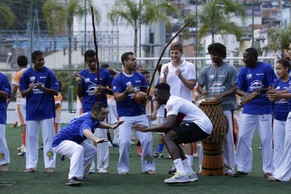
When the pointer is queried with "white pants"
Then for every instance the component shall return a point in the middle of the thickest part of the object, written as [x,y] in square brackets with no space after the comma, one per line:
[102,150]
[113,118]
[146,140]
[279,138]
[244,154]
[80,155]
[283,171]
[228,143]
[4,152]
[32,131]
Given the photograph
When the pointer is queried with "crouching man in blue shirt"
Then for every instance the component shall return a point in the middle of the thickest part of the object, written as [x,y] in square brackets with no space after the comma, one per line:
[70,141]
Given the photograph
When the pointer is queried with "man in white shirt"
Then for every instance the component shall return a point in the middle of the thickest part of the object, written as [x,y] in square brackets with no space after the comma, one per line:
[195,126]
[181,76]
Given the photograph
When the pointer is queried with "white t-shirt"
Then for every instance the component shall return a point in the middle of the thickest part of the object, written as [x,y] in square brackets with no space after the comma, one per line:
[194,114]
[161,111]
[177,86]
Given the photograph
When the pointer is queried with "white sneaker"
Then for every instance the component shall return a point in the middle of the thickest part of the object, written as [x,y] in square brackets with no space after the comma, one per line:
[193,177]
[177,178]
[102,171]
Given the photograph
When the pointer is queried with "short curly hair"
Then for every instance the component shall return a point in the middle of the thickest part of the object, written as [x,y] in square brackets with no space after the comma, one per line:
[218,48]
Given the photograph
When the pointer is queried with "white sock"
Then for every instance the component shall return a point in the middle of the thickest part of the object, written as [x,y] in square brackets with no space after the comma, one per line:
[190,159]
[179,166]
[187,167]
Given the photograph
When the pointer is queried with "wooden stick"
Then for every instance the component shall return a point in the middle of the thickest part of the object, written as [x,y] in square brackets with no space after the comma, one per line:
[96,47]
[157,65]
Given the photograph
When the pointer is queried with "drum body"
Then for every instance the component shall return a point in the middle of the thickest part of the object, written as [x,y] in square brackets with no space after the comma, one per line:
[213,162]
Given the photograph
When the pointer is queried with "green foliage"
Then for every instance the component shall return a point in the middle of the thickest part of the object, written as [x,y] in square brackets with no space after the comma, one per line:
[136,14]
[215,18]
[279,39]
[23,11]
[57,14]
[7,14]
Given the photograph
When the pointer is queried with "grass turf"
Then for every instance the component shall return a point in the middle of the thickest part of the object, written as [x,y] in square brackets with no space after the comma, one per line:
[16,181]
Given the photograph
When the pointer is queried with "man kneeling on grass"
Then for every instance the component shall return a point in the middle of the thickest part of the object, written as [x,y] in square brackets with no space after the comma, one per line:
[195,126]
[70,141]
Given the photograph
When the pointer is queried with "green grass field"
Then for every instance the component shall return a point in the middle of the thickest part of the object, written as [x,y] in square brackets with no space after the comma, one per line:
[16,181]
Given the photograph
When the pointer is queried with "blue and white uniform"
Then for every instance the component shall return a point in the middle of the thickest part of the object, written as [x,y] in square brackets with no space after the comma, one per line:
[283,170]
[89,84]
[4,152]
[40,109]
[280,116]
[256,114]
[70,142]
[132,113]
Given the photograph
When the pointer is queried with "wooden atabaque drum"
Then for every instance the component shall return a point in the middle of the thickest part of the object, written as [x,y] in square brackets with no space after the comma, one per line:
[213,162]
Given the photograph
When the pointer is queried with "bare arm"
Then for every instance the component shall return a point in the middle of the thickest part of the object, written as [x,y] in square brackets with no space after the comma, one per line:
[91,136]
[227,93]
[190,84]
[120,96]
[3,95]
[241,93]
[109,126]
[13,92]
[276,95]
[46,90]
[165,72]
[168,125]
[28,90]
[79,85]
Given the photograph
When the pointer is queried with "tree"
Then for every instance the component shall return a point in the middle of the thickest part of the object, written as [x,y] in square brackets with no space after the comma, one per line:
[215,18]
[58,14]
[136,14]
[279,39]
[7,14]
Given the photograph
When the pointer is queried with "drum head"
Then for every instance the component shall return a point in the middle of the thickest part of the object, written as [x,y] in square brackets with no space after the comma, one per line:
[210,101]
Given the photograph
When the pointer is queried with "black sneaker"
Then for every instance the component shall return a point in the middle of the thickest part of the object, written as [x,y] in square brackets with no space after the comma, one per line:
[172,170]
[239,173]
[158,155]
[73,182]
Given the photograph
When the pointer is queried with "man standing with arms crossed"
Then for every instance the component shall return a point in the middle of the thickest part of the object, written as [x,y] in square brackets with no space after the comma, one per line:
[219,80]
[124,86]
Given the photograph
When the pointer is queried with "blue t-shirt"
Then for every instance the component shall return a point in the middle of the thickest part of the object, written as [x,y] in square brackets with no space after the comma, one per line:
[74,130]
[129,107]
[281,106]
[289,99]
[251,79]
[5,87]
[39,105]
[88,87]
